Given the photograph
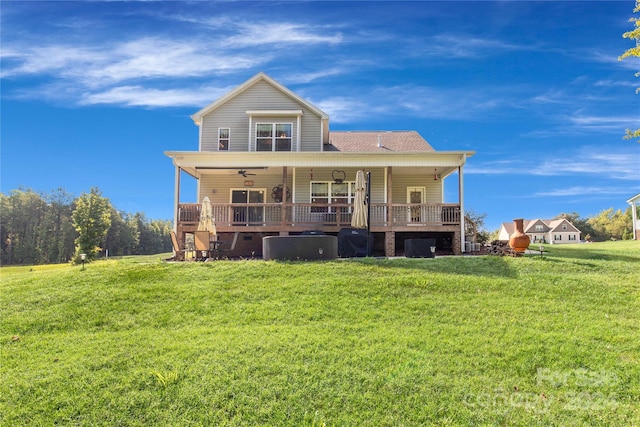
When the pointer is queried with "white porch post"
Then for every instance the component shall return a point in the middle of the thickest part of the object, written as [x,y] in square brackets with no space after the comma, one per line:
[298,133]
[249,136]
[176,199]
[461,200]
[635,222]
[283,206]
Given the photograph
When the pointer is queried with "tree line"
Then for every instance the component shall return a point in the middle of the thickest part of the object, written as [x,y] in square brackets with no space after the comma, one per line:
[608,224]
[56,227]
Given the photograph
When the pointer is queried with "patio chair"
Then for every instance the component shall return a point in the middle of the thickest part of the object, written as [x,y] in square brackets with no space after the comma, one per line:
[202,242]
[227,246]
[178,253]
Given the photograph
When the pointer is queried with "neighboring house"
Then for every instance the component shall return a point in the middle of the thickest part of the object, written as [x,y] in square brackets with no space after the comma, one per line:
[635,215]
[554,231]
[261,138]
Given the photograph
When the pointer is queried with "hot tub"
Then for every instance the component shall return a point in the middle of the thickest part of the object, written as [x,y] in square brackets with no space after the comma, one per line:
[306,247]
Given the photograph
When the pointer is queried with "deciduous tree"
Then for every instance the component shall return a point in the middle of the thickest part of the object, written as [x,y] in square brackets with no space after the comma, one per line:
[611,225]
[634,34]
[92,219]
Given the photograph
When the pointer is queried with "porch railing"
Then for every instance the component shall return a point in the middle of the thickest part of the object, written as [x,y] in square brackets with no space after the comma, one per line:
[312,214]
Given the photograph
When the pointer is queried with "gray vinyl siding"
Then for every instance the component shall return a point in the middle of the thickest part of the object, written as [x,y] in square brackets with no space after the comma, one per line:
[261,96]
[218,187]
[303,182]
[433,189]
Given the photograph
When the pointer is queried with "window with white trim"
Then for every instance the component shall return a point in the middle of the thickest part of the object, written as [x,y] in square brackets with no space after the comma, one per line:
[332,193]
[557,237]
[538,227]
[273,136]
[564,226]
[223,139]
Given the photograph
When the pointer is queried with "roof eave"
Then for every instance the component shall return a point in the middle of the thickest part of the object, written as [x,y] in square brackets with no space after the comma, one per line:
[318,159]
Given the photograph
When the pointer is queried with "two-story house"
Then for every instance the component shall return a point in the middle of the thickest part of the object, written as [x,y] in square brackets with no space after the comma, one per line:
[270,166]
[554,231]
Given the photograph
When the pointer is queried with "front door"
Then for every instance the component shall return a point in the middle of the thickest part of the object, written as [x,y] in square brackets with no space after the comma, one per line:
[415,197]
[248,215]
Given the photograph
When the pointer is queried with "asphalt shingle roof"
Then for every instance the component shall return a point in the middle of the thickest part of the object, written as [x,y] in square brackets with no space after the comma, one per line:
[377,141]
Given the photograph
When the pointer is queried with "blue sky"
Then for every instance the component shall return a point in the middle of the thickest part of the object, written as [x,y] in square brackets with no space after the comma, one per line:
[93,93]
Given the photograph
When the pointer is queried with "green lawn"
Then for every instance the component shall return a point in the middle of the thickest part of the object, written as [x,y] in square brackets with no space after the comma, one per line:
[549,341]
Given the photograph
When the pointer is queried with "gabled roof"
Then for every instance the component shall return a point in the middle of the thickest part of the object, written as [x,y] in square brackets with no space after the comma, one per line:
[550,224]
[529,227]
[197,117]
[377,141]
[557,223]
[634,199]
[510,226]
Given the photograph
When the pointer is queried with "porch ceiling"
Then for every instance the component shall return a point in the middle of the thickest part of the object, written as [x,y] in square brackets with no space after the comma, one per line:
[441,171]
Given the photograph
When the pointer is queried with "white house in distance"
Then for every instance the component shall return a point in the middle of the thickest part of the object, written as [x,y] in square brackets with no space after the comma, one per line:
[635,215]
[270,166]
[554,231]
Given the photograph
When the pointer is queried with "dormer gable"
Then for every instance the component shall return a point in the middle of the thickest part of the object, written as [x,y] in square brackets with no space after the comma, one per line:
[562,225]
[536,226]
[260,77]
[261,115]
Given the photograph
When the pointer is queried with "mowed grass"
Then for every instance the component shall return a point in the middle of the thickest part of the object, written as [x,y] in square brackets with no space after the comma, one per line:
[552,340]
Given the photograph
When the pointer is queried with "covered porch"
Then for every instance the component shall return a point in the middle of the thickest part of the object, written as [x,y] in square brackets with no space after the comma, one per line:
[406,193]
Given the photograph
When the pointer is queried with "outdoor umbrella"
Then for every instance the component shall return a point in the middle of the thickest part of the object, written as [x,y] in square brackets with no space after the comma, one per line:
[206,218]
[359,217]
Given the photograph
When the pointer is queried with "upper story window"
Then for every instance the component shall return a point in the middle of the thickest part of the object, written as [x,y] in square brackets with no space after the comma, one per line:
[564,226]
[223,139]
[539,227]
[273,136]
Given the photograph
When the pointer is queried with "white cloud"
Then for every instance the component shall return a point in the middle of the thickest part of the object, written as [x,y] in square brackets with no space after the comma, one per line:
[141,96]
[242,33]
[579,123]
[603,123]
[261,33]
[159,58]
[414,101]
[447,46]
[620,164]
[85,71]
[315,75]
[61,60]
[343,110]
[439,103]
[623,166]
[552,96]
[617,83]
[149,57]
[581,191]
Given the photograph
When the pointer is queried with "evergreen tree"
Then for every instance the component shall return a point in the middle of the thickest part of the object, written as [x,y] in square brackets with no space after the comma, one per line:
[39,229]
[21,216]
[122,237]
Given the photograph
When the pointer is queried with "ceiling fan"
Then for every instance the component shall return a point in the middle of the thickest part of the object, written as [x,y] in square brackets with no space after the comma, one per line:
[244,173]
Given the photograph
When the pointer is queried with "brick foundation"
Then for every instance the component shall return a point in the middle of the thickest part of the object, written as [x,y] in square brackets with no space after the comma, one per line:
[389,243]
[456,245]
